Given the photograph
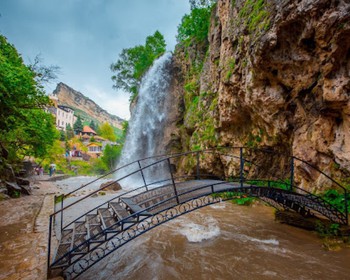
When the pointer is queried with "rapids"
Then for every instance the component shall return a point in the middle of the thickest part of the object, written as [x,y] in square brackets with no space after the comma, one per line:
[224,241]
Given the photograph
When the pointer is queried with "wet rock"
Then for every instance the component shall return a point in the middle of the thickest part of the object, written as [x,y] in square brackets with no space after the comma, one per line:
[4,196]
[111,186]
[297,220]
[26,189]
[13,189]
[23,182]
[283,83]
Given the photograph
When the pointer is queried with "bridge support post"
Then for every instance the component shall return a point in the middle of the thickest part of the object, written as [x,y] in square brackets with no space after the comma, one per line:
[143,176]
[172,179]
[197,167]
[62,198]
[291,173]
[241,171]
[49,248]
[346,206]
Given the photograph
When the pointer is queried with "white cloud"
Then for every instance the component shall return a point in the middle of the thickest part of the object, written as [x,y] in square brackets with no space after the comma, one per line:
[85,37]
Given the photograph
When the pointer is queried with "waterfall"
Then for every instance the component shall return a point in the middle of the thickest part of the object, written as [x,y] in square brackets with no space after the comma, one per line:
[145,131]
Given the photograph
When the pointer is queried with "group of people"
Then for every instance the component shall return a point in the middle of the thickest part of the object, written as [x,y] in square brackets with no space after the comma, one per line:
[39,171]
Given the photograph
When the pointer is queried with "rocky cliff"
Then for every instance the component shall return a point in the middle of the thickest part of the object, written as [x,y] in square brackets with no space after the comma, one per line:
[275,74]
[72,98]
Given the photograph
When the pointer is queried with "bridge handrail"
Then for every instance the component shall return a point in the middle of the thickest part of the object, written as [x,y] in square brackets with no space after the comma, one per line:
[147,209]
[134,215]
[119,179]
[163,158]
[318,170]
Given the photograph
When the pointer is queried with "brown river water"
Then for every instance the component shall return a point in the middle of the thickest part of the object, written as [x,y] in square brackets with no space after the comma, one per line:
[224,241]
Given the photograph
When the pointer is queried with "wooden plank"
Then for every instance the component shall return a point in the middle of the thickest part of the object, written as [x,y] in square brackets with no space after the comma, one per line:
[121,212]
[134,208]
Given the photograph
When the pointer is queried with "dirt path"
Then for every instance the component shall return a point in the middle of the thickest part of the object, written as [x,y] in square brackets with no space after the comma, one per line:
[24,233]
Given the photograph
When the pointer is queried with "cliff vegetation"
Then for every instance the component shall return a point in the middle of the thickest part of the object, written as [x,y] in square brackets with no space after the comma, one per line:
[268,74]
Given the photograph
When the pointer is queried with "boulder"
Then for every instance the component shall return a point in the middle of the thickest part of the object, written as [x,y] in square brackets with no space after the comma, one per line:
[111,186]
[13,189]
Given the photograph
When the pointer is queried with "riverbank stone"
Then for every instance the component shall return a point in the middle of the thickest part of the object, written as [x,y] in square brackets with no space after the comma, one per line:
[112,186]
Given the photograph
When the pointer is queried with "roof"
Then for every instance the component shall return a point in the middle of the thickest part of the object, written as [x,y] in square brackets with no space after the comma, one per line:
[94,144]
[99,138]
[88,129]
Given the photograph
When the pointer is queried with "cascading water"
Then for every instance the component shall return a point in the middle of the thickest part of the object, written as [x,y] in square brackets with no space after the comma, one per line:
[145,131]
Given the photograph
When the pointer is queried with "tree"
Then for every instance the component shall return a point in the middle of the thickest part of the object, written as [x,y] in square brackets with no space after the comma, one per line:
[69,132]
[195,26]
[93,125]
[25,128]
[63,136]
[78,125]
[134,62]
[198,4]
[110,156]
[106,131]
[44,74]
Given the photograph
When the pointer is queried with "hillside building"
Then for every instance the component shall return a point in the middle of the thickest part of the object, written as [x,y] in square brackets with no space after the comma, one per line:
[64,115]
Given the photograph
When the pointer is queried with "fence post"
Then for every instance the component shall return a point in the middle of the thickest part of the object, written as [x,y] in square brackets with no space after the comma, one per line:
[143,177]
[197,167]
[172,179]
[49,248]
[291,173]
[241,171]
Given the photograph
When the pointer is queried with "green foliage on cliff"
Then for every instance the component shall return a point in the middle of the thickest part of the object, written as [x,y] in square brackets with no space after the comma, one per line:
[25,128]
[134,62]
[337,199]
[199,117]
[195,26]
[255,15]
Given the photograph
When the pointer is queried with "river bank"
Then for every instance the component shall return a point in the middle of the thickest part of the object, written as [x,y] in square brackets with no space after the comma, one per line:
[24,232]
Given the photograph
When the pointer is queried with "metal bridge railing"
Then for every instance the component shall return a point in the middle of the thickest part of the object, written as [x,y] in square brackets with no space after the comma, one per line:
[239,164]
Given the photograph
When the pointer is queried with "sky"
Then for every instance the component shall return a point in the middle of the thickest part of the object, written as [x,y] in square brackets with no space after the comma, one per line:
[83,38]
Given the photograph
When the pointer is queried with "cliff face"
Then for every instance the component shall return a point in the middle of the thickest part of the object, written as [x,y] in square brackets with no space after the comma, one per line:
[70,97]
[275,76]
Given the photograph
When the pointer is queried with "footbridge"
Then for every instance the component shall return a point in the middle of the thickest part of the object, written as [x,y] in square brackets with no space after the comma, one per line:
[85,229]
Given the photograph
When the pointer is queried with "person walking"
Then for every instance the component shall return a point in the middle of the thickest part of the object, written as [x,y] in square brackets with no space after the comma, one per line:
[41,171]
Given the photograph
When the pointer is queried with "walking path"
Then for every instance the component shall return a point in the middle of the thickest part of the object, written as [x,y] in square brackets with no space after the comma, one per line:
[24,232]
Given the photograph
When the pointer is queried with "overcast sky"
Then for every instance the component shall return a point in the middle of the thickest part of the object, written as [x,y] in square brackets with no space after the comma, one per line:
[83,37]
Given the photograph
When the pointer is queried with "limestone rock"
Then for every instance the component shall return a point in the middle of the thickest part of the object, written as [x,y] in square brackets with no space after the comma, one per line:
[70,97]
[282,84]
[111,186]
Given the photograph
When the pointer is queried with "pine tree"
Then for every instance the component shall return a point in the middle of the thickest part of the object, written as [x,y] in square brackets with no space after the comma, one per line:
[78,125]
[69,132]
[93,125]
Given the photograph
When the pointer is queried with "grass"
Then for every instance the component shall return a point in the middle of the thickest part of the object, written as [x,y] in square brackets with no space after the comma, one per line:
[238,198]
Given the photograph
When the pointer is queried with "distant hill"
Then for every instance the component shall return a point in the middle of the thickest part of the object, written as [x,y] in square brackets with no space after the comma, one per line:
[84,106]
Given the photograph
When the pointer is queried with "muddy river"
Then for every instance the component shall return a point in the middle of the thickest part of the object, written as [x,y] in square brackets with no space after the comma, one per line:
[224,241]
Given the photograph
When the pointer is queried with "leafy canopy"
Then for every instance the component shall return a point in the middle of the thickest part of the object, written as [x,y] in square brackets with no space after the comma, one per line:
[195,26]
[110,156]
[106,131]
[134,62]
[25,128]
